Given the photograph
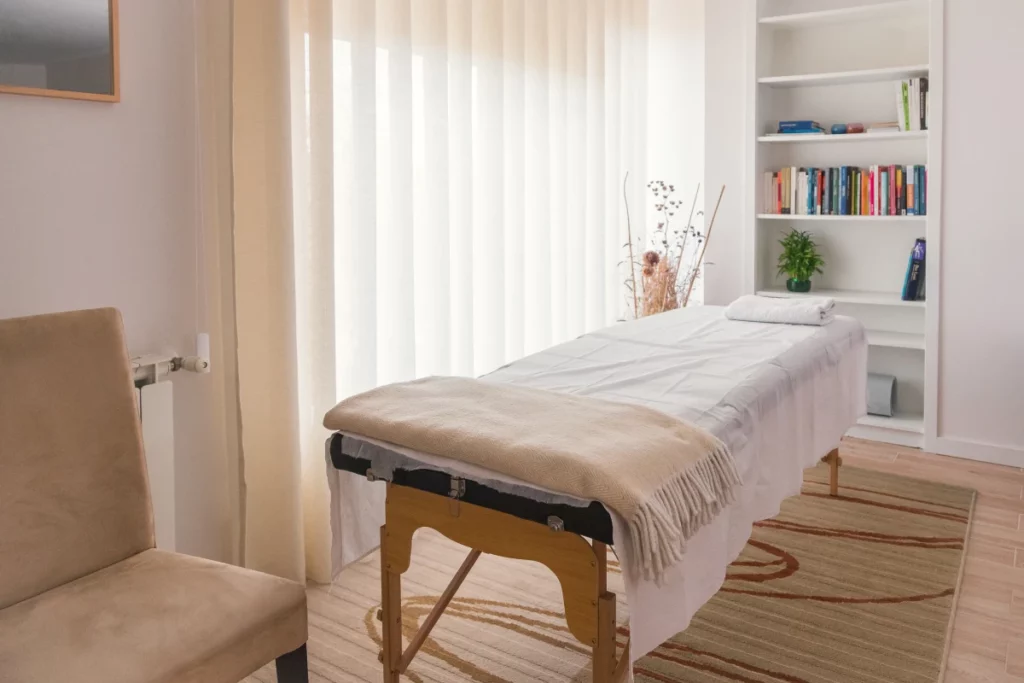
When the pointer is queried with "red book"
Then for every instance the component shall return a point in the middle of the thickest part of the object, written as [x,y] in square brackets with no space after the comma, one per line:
[871,191]
[821,190]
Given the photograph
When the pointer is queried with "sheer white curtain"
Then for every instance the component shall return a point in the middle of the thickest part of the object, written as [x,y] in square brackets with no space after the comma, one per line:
[458,180]
[466,157]
[419,187]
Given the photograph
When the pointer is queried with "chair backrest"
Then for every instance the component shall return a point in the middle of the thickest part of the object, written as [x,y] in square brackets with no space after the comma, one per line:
[74,496]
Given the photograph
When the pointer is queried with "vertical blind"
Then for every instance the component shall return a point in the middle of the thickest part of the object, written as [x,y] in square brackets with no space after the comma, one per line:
[458,179]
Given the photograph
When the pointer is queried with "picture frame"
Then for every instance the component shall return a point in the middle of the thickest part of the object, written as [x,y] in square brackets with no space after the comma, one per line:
[113,93]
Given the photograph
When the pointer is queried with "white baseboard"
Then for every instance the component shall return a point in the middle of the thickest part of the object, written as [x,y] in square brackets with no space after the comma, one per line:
[974,450]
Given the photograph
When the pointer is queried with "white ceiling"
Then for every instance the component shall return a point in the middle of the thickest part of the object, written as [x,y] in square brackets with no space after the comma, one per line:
[41,31]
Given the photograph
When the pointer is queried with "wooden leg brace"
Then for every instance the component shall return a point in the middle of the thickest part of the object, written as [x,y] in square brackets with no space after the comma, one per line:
[581,569]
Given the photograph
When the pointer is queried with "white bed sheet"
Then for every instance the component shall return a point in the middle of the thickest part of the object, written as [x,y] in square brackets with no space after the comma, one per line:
[780,396]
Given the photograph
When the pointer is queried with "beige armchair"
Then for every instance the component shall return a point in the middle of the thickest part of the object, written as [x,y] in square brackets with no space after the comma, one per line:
[84,595]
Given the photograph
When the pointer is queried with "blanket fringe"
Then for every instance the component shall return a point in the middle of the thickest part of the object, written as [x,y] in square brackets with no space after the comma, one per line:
[666,520]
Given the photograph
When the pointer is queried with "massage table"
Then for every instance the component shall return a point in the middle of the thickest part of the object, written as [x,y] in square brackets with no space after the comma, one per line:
[779,396]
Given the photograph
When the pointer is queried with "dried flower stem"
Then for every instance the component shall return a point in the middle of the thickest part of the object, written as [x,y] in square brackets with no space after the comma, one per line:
[632,259]
[707,238]
[682,248]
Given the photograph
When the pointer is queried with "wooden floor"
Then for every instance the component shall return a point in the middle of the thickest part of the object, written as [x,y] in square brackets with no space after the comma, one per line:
[988,637]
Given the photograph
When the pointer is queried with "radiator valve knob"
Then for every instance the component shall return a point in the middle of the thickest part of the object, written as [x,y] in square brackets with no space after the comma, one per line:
[194,364]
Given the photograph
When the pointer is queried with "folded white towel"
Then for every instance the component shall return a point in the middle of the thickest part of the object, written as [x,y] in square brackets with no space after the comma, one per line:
[810,310]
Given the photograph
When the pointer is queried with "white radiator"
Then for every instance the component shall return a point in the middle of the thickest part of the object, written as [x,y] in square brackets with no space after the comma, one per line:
[156,407]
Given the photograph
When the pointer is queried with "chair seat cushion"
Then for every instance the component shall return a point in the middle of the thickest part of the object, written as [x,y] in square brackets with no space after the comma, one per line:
[156,617]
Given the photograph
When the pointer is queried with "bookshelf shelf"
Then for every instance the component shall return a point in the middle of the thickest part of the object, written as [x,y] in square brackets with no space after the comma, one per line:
[796,139]
[875,12]
[893,73]
[903,422]
[847,296]
[855,219]
[896,340]
[905,429]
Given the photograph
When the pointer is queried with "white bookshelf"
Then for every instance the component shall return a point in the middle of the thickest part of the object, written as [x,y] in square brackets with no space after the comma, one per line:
[834,61]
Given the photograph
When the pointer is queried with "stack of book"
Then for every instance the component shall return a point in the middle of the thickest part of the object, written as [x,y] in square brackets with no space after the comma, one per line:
[913,282]
[912,104]
[799,128]
[847,191]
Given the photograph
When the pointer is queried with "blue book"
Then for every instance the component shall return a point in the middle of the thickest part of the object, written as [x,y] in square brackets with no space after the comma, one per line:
[835,191]
[844,191]
[915,272]
[885,191]
[811,192]
[921,202]
[826,196]
[918,195]
[919,189]
[799,125]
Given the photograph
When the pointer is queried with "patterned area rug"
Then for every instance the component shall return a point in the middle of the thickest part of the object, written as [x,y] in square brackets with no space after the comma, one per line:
[858,588]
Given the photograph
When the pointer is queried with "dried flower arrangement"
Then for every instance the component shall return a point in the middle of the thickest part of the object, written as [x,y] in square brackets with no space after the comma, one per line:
[665,281]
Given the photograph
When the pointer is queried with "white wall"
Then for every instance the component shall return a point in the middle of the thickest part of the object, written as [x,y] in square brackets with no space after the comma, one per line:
[724,144]
[98,208]
[675,116]
[675,85]
[981,362]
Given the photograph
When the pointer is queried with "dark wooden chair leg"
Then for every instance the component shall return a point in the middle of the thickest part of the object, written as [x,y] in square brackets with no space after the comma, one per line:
[292,667]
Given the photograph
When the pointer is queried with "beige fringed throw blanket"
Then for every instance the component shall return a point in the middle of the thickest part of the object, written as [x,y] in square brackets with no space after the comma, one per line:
[665,477]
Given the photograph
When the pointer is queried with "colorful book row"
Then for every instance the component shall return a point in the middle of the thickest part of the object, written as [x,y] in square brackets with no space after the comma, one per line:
[847,191]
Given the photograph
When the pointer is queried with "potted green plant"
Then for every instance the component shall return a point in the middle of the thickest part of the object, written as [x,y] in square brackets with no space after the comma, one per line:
[800,260]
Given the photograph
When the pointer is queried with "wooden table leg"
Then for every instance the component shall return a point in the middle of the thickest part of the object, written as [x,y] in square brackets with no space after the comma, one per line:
[833,471]
[604,651]
[604,648]
[391,614]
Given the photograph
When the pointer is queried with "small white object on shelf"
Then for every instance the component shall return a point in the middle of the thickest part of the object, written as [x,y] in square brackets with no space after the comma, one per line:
[848,296]
[890,73]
